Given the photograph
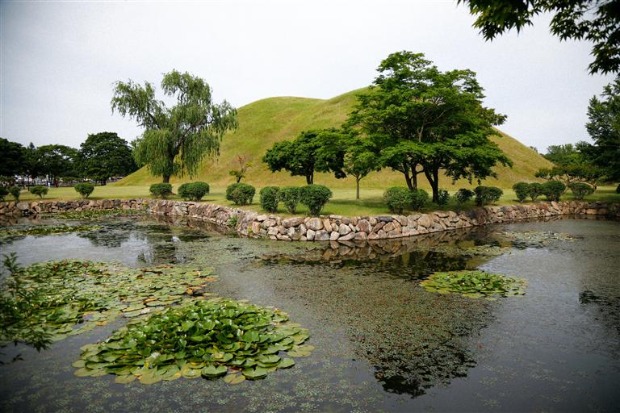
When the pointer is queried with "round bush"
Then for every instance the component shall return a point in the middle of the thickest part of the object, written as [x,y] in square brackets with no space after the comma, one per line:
[240,193]
[618,189]
[315,197]
[38,190]
[193,191]
[536,190]
[487,195]
[290,196]
[269,198]
[3,192]
[553,190]
[418,198]
[522,190]
[581,189]
[464,195]
[161,190]
[443,197]
[397,199]
[84,189]
[15,191]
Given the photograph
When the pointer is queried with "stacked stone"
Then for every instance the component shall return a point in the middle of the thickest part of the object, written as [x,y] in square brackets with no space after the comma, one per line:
[326,228]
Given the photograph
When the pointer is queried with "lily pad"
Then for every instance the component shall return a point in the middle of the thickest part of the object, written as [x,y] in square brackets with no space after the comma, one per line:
[213,371]
[234,378]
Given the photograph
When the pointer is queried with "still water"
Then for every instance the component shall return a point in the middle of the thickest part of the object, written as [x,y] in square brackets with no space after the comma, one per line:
[382,342]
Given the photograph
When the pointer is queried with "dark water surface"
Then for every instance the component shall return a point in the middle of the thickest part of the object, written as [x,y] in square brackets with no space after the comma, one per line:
[382,342]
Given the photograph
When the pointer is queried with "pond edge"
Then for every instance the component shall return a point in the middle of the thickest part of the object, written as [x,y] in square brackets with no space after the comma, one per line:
[324,228]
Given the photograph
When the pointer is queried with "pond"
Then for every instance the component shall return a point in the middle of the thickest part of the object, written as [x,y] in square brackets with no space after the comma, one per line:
[382,342]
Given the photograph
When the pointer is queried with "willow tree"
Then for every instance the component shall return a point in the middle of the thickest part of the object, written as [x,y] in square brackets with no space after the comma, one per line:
[175,139]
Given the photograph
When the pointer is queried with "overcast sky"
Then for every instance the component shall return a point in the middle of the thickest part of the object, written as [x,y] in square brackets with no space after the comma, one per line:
[60,59]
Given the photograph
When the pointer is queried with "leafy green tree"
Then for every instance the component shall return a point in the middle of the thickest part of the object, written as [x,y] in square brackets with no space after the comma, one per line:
[424,121]
[563,154]
[57,161]
[312,151]
[11,158]
[571,165]
[360,159]
[32,163]
[604,129]
[175,139]
[104,155]
[597,21]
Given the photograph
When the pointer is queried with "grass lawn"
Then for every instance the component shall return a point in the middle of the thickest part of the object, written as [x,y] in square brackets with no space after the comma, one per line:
[342,203]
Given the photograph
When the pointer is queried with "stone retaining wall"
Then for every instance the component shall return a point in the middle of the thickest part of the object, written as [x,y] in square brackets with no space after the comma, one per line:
[325,228]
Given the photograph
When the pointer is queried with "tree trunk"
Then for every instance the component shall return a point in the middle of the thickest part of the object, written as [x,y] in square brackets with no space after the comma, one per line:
[309,179]
[166,179]
[357,187]
[433,179]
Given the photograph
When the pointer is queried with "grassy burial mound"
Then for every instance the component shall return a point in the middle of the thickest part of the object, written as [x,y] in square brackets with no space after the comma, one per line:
[265,122]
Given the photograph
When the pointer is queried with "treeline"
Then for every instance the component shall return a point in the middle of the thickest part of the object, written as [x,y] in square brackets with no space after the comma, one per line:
[102,156]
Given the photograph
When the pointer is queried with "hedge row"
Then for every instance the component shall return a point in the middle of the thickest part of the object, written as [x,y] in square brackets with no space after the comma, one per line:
[312,196]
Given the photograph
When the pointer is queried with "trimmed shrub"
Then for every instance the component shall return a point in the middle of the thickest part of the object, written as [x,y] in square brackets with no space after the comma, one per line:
[618,189]
[3,192]
[240,193]
[397,199]
[581,189]
[38,190]
[315,197]
[418,198]
[487,195]
[161,190]
[522,190]
[553,190]
[536,190]
[290,196]
[84,189]
[15,191]
[193,191]
[463,195]
[443,197]
[269,198]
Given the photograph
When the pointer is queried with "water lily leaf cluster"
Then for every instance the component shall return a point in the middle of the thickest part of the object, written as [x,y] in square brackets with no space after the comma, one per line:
[49,301]
[204,338]
[474,284]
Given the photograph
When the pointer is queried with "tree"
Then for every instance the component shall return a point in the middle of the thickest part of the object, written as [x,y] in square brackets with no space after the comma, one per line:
[423,121]
[312,151]
[104,155]
[597,21]
[570,165]
[32,162]
[175,139]
[57,161]
[360,159]
[11,158]
[604,129]
[244,165]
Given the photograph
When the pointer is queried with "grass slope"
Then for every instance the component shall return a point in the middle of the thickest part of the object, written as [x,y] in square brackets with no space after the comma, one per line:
[264,122]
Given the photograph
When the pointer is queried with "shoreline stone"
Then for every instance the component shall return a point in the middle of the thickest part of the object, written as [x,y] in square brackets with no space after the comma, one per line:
[324,228]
